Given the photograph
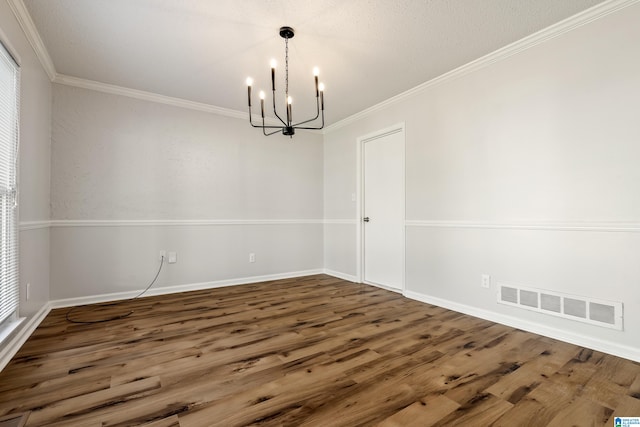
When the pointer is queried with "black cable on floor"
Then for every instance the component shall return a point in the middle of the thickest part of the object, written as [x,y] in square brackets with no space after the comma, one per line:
[122,316]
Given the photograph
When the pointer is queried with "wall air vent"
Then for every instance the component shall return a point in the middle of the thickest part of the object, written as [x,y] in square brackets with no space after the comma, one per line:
[583,309]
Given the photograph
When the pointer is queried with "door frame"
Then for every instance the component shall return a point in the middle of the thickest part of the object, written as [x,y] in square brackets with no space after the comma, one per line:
[398,127]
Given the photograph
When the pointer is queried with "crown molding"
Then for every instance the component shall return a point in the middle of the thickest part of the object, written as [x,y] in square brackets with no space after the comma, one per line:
[157,98]
[592,14]
[145,96]
[31,33]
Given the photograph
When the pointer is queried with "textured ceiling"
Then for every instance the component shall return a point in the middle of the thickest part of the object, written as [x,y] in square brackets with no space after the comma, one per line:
[203,50]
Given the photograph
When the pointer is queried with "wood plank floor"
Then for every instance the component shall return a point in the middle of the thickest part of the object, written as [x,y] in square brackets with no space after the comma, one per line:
[313,351]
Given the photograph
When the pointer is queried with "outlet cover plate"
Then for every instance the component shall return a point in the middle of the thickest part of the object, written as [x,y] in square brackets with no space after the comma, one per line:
[486,281]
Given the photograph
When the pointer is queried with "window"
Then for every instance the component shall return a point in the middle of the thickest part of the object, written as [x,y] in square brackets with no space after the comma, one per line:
[9,125]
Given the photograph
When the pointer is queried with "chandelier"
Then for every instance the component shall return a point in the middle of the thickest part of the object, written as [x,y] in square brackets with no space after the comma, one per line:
[287,127]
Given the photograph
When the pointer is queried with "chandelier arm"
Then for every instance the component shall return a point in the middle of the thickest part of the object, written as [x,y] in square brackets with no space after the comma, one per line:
[270,133]
[312,128]
[315,118]
[259,126]
[263,126]
[250,120]
[306,121]
[273,97]
[269,127]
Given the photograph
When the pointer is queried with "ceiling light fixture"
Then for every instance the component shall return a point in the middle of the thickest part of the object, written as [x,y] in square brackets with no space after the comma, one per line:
[287,128]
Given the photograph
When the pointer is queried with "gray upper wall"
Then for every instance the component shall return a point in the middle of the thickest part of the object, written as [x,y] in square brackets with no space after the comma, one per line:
[121,158]
[548,134]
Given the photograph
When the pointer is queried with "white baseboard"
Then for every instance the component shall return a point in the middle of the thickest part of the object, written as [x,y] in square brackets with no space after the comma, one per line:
[615,349]
[385,287]
[11,348]
[343,276]
[93,299]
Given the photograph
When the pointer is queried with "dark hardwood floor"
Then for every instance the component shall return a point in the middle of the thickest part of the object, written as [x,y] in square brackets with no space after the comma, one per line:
[313,351]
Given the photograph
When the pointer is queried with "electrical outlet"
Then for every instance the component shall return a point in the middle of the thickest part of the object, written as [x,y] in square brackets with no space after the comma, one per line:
[486,281]
[163,255]
[173,257]
[28,292]
[252,257]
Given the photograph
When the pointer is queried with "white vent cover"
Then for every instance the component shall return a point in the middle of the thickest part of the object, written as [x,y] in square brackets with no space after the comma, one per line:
[582,309]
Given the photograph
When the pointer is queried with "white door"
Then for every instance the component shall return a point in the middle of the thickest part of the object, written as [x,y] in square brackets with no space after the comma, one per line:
[383,209]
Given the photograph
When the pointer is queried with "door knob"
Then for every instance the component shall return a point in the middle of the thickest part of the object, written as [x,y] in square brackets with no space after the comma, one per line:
[365,219]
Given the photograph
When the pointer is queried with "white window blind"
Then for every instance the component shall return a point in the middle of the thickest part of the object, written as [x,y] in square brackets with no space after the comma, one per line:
[9,125]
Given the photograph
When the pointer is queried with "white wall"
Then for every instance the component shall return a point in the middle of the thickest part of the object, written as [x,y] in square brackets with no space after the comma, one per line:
[211,188]
[339,206]
[501,162]
[34,165]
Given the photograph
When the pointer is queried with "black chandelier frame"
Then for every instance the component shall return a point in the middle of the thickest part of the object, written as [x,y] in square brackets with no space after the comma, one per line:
[287,127]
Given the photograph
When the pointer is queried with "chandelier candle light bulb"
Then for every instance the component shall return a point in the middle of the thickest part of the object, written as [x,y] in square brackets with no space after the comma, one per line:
[262,103]
[273,74]
[288,128]
[249,84]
